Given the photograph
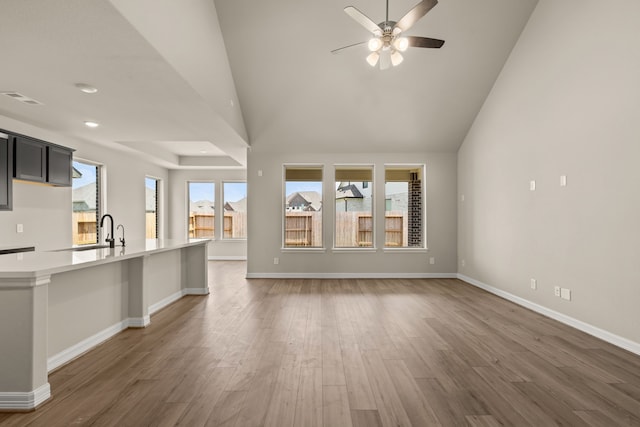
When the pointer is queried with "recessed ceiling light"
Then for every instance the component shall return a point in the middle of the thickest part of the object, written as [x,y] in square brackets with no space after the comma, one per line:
[86,88]
[92,124]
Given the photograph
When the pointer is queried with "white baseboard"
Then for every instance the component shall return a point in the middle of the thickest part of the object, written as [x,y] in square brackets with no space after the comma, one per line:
[139,322]
[166,301]
[17,401]
[85,345]
[196,291]
[227,258]
[351,275]
[607,336]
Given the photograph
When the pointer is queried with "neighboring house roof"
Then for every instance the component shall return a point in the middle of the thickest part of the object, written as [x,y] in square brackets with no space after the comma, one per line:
[348,192]
[202,206]
[85,197]
[81,206]
[239,206]
[313,199]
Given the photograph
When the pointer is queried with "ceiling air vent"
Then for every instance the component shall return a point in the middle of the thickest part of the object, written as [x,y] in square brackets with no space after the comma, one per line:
[20,97]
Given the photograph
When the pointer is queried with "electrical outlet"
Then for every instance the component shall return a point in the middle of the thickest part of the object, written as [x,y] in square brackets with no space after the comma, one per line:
[432,260]
[565,294]
[19,228]
[563,180]
[556,291]
[532,185]
[276,261]
[463,262]
[534,284]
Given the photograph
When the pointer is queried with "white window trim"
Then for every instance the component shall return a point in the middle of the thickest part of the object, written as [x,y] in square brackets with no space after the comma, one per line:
[374,247]
[188,204]
[283,202]
[423,166]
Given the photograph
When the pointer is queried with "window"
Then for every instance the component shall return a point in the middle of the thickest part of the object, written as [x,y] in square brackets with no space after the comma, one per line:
[302,207]
[234,224]
[354,207]
[151,202]
[404,207]
[201,210]
[85,190]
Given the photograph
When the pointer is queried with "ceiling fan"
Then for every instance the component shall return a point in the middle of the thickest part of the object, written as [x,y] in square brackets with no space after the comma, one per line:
[388,39]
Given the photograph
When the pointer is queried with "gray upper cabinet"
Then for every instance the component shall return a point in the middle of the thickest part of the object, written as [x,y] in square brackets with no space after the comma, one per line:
[30,159]
[6,173]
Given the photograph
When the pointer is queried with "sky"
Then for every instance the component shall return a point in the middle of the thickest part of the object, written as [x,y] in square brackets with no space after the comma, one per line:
[88,174]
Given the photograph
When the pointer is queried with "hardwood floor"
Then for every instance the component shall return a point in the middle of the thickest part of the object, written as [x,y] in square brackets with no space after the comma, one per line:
[344,353]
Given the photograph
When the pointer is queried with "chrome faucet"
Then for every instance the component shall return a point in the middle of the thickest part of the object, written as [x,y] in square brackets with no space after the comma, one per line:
[110,238]
[122,238]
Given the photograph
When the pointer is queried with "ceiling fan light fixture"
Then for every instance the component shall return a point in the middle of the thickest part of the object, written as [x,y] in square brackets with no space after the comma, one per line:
[396,58]
[372,59]
[401,43]
[374,44]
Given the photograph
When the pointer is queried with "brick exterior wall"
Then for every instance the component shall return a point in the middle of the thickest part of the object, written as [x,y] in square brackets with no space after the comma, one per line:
[415,212]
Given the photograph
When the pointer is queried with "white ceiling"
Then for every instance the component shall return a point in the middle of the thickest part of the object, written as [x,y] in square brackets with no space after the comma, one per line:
[167,89]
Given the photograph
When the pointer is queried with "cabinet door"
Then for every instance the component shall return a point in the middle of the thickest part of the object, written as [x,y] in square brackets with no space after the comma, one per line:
[6,173]
[59,164]
[30,160]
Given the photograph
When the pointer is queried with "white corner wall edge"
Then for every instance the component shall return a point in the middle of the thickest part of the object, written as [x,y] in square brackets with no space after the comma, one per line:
[607,336]
[351,276]
[25,401]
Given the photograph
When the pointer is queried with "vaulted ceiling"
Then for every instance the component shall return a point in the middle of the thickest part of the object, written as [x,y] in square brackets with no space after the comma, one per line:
[194,83]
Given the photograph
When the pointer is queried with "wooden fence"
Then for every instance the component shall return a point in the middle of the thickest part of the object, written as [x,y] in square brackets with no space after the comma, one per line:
[355,229]
[303,229]
[203,225]
[84,228]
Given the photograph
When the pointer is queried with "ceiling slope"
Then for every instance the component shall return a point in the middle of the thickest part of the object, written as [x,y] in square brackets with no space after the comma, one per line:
[296,95]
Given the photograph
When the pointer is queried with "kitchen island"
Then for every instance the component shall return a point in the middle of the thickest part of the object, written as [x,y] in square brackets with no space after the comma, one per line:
[56,305]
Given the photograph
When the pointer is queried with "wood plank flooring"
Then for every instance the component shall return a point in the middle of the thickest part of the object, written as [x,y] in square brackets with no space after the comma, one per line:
[346,353]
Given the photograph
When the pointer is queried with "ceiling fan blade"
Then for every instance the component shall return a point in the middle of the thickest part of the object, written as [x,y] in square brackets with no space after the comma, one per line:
[424,42]
[415,14]
[385,59]
[338,50]
[362,19]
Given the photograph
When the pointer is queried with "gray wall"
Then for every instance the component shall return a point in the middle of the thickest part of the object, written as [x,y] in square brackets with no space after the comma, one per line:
[566,103]
[45,211]
[266,206]
[218,249]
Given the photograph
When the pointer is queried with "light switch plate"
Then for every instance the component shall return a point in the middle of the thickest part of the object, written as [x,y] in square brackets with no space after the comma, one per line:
[565,294]
[563,180]
[19,228]
[532,185]
[534,284]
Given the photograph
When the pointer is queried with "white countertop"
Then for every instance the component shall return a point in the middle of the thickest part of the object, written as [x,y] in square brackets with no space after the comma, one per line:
[42,263]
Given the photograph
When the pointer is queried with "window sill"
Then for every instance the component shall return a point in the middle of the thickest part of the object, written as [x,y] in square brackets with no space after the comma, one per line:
[406,250]
[355,249]
[231,240]
[302,250]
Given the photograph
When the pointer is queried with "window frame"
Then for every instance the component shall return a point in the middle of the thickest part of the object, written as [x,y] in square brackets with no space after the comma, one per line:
[101,204]
[283,211]
[158,210]
[423,170]
[221,221]
[188,206]
[372,187]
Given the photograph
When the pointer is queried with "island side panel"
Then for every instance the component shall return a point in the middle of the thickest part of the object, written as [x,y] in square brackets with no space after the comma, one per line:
[162,279]
[195,278]
[86,306]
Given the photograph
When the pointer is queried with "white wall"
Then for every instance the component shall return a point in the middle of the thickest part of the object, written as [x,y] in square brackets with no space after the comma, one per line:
[266,205]
[566,103]
[45,211]
[219,248]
